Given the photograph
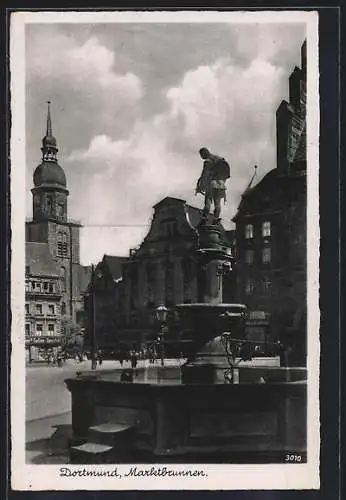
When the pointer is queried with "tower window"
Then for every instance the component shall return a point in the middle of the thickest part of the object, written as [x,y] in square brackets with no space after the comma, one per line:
[266,255]
[60,210]
[49,205]
[266,228]
[249,256]
[63,278]
[249,287]
[248,231]
[62,244]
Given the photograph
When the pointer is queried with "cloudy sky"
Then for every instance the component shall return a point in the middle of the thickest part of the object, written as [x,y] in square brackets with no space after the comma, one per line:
[133,103]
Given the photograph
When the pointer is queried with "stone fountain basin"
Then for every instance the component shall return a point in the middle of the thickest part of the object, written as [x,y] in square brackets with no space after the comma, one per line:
[250,373]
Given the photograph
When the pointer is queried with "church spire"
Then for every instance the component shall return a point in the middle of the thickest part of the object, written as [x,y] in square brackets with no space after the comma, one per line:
[49,122]
[49,148]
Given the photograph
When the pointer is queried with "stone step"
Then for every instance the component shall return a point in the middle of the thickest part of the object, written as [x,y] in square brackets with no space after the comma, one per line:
[91,453]
[112,434]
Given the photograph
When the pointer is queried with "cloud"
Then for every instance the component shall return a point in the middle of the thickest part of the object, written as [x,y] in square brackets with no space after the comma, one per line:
[130,115]
[228,109]
[88,67]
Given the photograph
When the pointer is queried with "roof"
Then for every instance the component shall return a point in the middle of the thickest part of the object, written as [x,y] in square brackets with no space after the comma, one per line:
[114,264]
[271,193]
[49,173]
[39,260]
[169,200]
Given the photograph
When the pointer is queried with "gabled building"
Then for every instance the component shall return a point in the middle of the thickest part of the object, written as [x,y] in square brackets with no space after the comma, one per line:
[271,228]
[162,270]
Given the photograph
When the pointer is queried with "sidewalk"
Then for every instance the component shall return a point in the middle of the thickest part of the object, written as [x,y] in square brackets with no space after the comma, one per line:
[47,439]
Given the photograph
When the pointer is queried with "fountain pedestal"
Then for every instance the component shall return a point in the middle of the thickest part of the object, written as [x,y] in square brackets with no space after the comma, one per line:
[210,317]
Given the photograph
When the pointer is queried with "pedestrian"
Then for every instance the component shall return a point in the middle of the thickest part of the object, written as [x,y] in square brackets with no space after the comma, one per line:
[99,357]
[121,359]
[133,360]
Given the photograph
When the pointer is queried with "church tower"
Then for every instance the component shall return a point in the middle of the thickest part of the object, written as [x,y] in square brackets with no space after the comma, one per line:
[50,223]
[50,193]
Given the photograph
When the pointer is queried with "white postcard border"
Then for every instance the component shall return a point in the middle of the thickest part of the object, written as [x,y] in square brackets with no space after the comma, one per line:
[219,476]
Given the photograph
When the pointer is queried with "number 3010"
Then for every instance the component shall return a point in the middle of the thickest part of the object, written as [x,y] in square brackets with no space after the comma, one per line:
[293,458]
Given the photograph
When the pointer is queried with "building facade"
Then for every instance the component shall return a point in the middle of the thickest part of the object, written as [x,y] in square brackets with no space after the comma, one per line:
[271,229]
[101,300]
[51,229]
[162,270]
[43,299]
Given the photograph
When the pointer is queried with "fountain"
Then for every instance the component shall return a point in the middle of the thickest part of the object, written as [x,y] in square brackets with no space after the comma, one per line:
[220,406]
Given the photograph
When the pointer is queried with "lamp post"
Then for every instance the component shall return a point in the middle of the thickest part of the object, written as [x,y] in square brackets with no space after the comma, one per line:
[93,320]
[161,316]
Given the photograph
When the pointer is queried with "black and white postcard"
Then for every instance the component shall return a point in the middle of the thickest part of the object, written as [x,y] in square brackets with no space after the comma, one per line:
[165,250]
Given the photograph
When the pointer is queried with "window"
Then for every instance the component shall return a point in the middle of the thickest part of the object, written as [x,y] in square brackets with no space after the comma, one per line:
[248,231]
[249,256]
[27,330]
[267,283]
[27,309]
[49,205]
[27,269]
[27,286]
[62,244]
[51,329]
[266,255]
[63,308]
[48,287]
[38,308]
[63,280]
[249,287]
[266,228]
[51,309]
[39,329]
[60,209]
[37,286]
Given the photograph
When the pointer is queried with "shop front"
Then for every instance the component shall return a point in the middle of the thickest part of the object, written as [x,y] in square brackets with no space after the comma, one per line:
[43,348]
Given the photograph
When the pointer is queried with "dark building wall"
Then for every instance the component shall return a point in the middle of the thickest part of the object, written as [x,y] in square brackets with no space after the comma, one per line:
[278,286]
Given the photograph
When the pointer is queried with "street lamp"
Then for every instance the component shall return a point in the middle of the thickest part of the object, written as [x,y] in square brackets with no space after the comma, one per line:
[161,316]
[93,319]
